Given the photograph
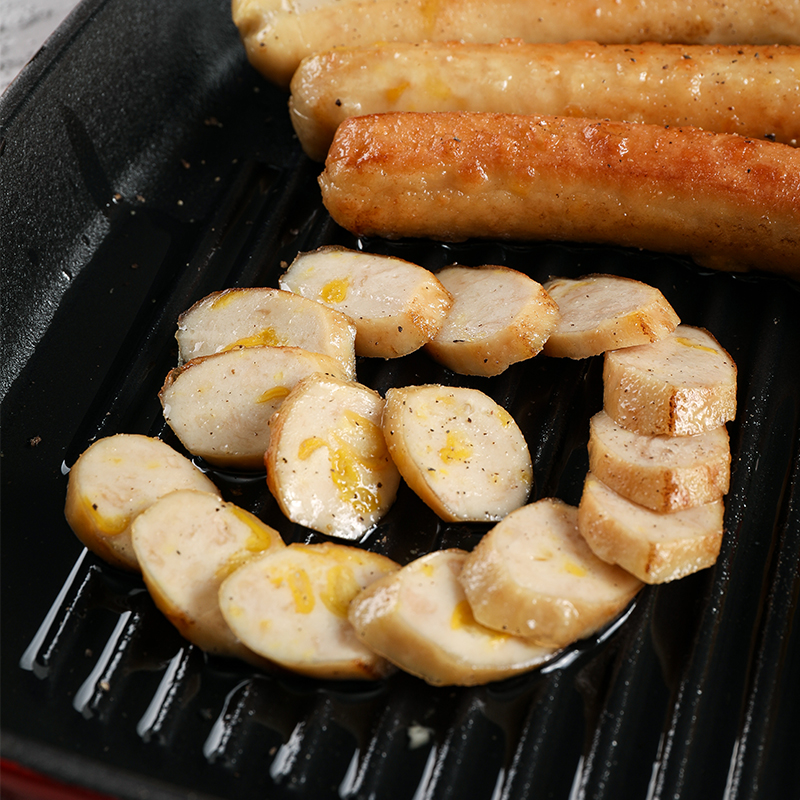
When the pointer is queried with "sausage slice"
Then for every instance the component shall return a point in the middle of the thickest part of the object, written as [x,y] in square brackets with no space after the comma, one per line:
[419,619]
[499,316]
[117,478]
[396,306]
[534,575]
[458,450]
[606,312]
[681,385]
[263,316]
[291,607]
[186,543]
[663,473]
[654,547]
[327,463]
[219,406]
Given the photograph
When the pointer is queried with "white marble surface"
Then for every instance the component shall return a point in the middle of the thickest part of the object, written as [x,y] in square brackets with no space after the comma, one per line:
[24,27]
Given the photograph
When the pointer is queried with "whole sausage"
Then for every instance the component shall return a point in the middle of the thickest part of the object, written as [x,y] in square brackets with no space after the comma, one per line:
[278,34]
[745,89]
[728,201]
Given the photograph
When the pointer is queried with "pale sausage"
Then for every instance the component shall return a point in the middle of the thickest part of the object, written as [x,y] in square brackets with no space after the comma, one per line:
[278,34]
[746,89]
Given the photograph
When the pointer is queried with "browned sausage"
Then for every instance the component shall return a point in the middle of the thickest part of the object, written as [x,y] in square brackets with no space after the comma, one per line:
[728,201]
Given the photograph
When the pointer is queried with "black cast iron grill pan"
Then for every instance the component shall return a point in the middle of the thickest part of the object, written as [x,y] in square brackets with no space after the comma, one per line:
[144,165]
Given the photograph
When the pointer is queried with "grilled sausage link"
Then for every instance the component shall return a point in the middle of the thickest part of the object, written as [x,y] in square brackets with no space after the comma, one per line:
[728,201]
[747,89]
[278,34]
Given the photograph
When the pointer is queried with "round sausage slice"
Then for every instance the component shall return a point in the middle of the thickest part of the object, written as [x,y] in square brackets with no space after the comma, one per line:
[263,316]
[396,306]
[664,473]
[186,543]
[499,316]
[420,620]
[458,450]
[654,547]
[681,385]
[117,478]
[327,463]
[534,575]
[606,312]
[219,406]
[291,607]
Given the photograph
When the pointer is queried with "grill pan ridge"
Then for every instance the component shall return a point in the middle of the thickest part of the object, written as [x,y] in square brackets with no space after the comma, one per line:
[144,165]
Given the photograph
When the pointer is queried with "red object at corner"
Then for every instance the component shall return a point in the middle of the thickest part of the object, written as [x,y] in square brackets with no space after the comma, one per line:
[20,783]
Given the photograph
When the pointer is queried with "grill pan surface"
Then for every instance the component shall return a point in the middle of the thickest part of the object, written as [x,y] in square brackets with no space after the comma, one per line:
[144,164]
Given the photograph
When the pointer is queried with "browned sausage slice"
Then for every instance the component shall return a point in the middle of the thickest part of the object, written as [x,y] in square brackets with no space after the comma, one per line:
[664,473]
[681,385]
[534,575]
[654,547]
[606,312]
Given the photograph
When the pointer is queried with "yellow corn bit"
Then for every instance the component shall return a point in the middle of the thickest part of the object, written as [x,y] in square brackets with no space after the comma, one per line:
[308,446]
[108,526]
[261,538]
[575,569]
[462,616]
[225,298]
[430,11]
[505,418]
[457,447]
[436,87]
[275,393]
[362,436]
[393,94]
[302,591]
[269,337]
[689,343]
[349,482]
[464,619]
[427,569]
[334,291]
[358,447]
[341,587]
[235,611]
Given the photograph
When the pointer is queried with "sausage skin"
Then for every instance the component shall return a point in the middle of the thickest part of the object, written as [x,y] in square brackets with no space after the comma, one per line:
[728,201]
[747,89]
[278,34]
